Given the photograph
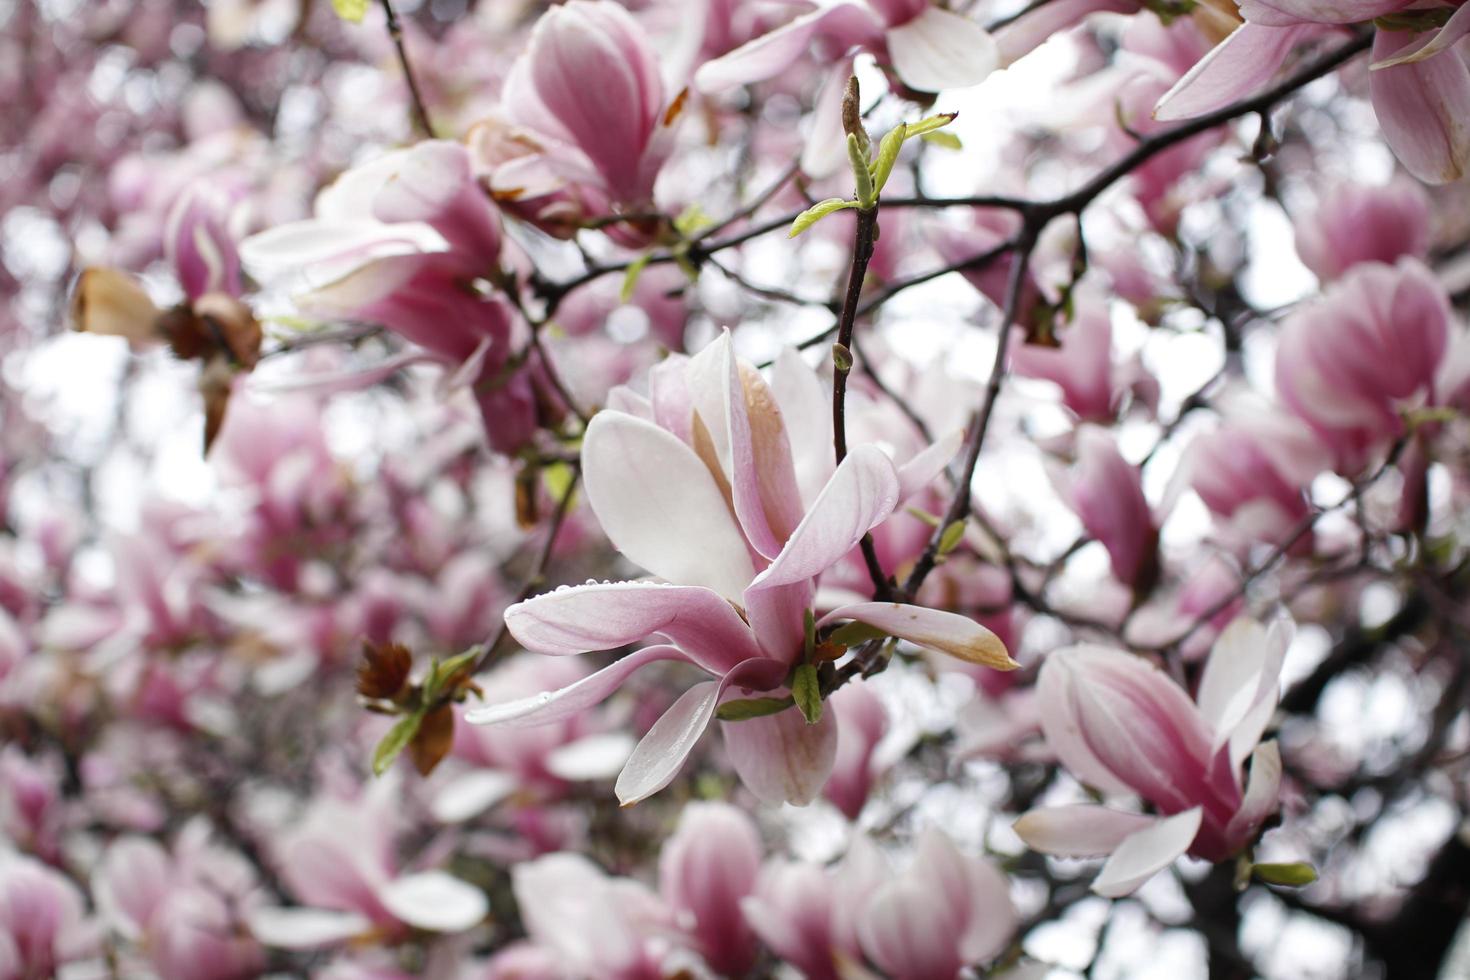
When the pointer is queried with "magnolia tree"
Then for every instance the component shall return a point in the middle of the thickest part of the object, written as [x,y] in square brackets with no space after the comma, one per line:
[734,488]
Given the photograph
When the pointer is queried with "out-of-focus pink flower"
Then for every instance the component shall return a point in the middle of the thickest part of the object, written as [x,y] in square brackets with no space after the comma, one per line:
[943,912]
[1355,223]
[931,49]
[339,863]
[862,722]
[1036,25]
[708,457]
[1121,726]
[1082,366]
[185,910]
[591,924]
[1348,364]
[1106,491]
[1237,470]
[706,869]
[989,229]
[201,244]
[1419,85]
[31,810]
[43,923]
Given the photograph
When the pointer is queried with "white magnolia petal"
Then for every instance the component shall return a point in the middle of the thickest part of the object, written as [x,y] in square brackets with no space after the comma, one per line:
[305,928]
[1078,830]
[940,50]
[1147,852]
[435,901]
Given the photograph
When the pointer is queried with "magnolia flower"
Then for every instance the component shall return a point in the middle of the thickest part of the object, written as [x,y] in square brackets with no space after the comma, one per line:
[705,870]
[930,49]
[1419,85]
[1348,364]
[1356,223]
[1106,491]
[946,910]
[586,126]
[1239,472]
[862,721]
[698,484]
[1122,726]
[338,861]
[43,923]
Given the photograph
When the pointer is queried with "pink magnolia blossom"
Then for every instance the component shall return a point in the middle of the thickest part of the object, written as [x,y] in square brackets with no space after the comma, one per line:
[1122,726]
[587,123]
[708,457]
[1106,491]
[1350,363]
[1240,473]
[1082,364]
[862,721]
[1420,86]
[931,49]
[592,924]
[945,911]
[1356,223]
[43,924]
[706,869]
[339,862]
[183,910]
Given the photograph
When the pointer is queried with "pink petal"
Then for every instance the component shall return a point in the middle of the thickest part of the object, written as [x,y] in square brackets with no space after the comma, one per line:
[661,753]
[594,757]
[934,629]
[1147,852]
[939,50]
[653,496]
[901,932]
[607,615]
[1239,683]
[780,758]
[807,407]
[1056,703]
[1079,830]
[1283,12]
[554,706]
[1234,68]
[1262,792]
[860,495]
[1442,40]
[924,466]
[771,54]
[305,928]
[1423,109]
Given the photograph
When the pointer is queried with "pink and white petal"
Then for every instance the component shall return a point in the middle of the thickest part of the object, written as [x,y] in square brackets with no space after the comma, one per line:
[594,757]
[312,253]
[608,615]
[554,706]
[1056,704]
[901,933]
[807,408]
[660,755]
[940,50]
[1247,732]
[654,496]
[771,54]
[669,393]
[472,794]
[934,629]
[1144,854]
[1283,12]
[305,928]
[778,618]
[1232,678]
[1262,793]
[925,465]
[993,918]
[1423,110]
[861,494]
[770,449]
[435,901]
[825,152]
[1080,830]
[1442,40]
[1028,32]
[780,758]
[1234,69]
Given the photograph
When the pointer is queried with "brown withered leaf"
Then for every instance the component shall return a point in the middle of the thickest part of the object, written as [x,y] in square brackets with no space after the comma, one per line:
[216,382]
[528,509]
[233,327]
[432,741]
[383,673]
[114,304]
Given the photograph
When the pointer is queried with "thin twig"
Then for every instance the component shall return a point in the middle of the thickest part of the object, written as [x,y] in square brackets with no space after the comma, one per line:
[395,31]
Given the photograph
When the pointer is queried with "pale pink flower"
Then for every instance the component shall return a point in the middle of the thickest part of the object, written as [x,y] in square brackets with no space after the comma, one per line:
[931,49]
[1239,473]
[862,721]
[1419,85]
[1106,491]
[43,924]
[707,458]
[1121,726]
[1350,363]
[706,869]
[1355,223]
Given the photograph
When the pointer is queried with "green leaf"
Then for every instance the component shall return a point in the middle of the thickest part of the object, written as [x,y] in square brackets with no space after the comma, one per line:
[630,278]
[746,708]
[557,478]
[921,514]
[862,176]
[855,633]
[692,220]
[1293,875]
[395,741]
[809,622]
[351,10]
[440,672]
[929,125]
[806,691]
[888,149]
[952,536]
[947,140]
[817,212]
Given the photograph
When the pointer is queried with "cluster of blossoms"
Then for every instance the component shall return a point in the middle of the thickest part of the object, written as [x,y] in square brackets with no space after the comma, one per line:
[1012,453]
